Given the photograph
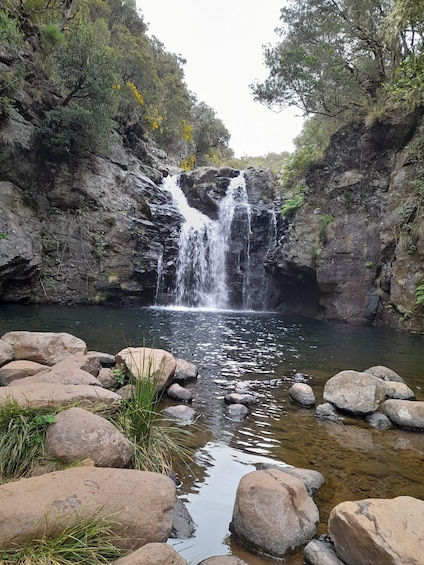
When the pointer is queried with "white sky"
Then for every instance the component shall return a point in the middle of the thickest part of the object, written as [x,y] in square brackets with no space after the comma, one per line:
[222,42]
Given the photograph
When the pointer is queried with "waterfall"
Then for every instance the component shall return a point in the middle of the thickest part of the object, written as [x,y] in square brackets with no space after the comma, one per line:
[204,246]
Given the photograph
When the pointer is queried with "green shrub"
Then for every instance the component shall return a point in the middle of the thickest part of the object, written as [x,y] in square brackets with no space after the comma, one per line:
[51,37]
[419,294]
[324,223]
[291,206]
[68,130]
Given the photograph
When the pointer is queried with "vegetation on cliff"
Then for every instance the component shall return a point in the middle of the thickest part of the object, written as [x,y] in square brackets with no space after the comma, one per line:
[93,68]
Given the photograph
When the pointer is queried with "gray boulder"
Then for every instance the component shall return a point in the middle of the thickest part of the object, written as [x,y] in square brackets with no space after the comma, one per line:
[378,421]
[318,552]
[379,531]
[79,434]
[139,504]
[398,390]
[355,392]
[384,373]
[237,412]
[327,411]
[46,348]
[181,413]
[405,413]
[273,512]
[185,370]
[177,392]
[240,398]
[302,395]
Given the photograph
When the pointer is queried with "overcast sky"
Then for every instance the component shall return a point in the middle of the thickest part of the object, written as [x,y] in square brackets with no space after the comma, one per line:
[222,42]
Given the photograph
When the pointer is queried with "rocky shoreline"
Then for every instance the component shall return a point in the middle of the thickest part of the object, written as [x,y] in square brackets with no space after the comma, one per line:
[274,512]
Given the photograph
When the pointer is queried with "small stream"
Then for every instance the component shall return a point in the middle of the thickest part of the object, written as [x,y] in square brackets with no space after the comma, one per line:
[264,350]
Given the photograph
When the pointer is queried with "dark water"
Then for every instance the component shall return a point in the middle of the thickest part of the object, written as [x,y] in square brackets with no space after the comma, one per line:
[264,350]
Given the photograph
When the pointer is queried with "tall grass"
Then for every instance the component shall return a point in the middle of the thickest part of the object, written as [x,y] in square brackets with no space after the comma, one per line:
[156,443]
[22,432]
[87,542]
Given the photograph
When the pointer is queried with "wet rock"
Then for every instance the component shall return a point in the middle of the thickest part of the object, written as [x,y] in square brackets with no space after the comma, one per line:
[185,370]
[355,392]
[105,359]
[327,411]
[378,421]
[19,370]
[46,348]
[141,504]
[79,434]
[273,512]
[303,395]
[6,352]
[384,373]
[381,531]
[182,413]
[144,362]
[405,413]
[237,412]
[183,526]
[240,398]
[177,392]
[152,554]
[318,552]
[300,378]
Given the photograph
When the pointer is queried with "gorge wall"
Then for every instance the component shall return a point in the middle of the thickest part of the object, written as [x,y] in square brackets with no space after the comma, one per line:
[97,231]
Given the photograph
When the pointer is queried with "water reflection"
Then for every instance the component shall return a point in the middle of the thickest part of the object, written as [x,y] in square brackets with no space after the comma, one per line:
[263,351]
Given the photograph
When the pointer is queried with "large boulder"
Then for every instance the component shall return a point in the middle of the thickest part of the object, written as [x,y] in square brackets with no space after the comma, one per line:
[47,348]
[6,352]
[355,392]
[79,434]
[405,413]
[72,377]
[139,505]
[54,395]
[379,531]
[273,513]
[153,554]
[19,370]
[143,362]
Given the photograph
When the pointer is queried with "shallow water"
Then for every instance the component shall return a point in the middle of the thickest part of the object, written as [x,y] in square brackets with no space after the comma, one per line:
[264,350]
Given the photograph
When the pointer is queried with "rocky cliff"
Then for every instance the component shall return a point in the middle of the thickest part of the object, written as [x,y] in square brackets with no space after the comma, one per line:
[354,250]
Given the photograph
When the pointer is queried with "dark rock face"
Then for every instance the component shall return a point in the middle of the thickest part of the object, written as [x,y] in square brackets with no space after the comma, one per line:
[344,256]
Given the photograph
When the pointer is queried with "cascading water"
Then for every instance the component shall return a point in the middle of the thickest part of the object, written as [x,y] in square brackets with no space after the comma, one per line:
[201,271]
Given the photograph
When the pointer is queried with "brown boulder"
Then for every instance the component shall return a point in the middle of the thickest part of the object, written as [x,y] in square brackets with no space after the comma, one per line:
[355,392]
[79,434]
[6,352]
[143,362]
[41,394]
[139,504]
[273,513]
[47,348]
[73,376]
[379,531]
[19,370]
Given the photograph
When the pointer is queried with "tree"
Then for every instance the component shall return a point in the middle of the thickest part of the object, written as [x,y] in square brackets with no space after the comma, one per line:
[210,136]
[334,56]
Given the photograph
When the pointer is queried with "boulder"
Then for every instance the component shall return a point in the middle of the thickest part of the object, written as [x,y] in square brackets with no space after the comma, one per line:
[47,348]
[327,411]
[185,370]
[54,395]
[273,512]
[183,526]
[6,352]
[313,480]
[302,395]
[355,392]
[79,434]
[384,373]
[153,554]
[177,392]
[318,552]
[237,412]
[107,378]
[378,421]
[181,413]
[19,370]
[143,362]
[405,413]
[105,359]
[379,531]
[240,398]
[73,376]
[398,390]
[139,505]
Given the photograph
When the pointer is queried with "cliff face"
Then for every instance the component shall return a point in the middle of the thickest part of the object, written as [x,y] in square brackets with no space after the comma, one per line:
[354,251]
